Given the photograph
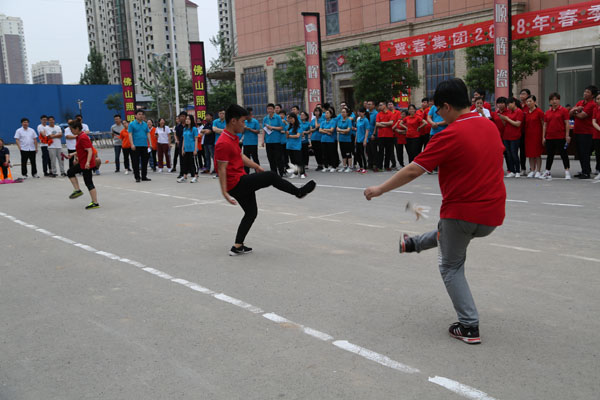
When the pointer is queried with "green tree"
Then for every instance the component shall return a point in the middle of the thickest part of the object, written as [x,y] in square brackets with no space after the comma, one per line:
[375,79]
[294,75]
[114,102]
[94,72]
[526,59]
[225,59]
[221,95]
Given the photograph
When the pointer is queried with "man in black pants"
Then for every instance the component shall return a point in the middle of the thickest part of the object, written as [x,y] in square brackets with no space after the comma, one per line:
[583,113]
[234,181]
[179,143]
[139,136]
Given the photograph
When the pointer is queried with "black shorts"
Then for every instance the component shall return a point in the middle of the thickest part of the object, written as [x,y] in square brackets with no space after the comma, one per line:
[346,148]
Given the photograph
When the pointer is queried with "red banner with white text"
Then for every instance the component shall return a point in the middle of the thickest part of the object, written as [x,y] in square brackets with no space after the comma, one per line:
[198,79]
[128,87]
[529,24]
[312,49]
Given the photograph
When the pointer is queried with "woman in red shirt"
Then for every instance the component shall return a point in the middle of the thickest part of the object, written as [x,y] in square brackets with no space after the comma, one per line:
[412,125]
[534,122]
[400,138]
[513,119]
[596,136]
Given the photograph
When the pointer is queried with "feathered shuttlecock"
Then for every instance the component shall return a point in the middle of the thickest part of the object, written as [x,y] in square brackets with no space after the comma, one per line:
[292,169]
[420,211]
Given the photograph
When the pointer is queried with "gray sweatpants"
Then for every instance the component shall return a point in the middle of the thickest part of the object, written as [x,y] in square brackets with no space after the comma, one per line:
[452,241]
[55,159]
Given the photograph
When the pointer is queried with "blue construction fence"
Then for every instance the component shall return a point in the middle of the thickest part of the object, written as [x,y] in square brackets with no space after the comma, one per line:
[31,101]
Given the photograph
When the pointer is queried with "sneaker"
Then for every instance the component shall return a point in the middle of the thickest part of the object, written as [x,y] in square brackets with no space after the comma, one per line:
[92,205]
[331,169]
[116,171]
[531,174]
[24,176]
[215,176]
[568,176]
[347,169]
[137,180]
[36,176]
[97,172]
[324,169]
[194,180]
[306,189]
[160,170]
[292,176]
[537,175]
[584,176]
[146,179]
[246,249]
[75,194]
[303,176]
[406,244]
[510,175]
[340,169]
[517,175]
[126,172]
[597,178]
[63,174]
[236,251]
[181,180]
[469,335]
[319,168]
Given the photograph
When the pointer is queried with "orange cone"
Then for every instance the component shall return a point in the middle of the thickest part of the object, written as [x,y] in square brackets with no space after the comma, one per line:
[2,177]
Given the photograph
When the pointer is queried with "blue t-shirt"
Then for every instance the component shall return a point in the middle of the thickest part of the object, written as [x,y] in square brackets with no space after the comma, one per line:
[189,139]
[436,118]
[139,132]
[304,127]
[372,121]
[344,124]
[294,143]
[283,133]
[361,130]
[251,138]
[328,125]
[274,136]
[316,135]
[218,124]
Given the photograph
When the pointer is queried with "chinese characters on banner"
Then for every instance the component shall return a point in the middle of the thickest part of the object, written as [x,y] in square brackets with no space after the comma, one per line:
[128,88]
[530,24]
[198,79]
[312,39]
[501,51]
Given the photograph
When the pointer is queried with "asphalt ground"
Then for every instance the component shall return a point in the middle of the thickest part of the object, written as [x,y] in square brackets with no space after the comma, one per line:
[139,300]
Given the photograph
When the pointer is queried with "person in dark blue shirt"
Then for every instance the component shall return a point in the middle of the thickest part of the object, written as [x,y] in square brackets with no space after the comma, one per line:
[209,143]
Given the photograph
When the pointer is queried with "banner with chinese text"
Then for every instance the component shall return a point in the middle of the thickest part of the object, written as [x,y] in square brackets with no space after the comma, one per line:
[198,79]
[312,47]
[501,48]
[128,86]
[529,24]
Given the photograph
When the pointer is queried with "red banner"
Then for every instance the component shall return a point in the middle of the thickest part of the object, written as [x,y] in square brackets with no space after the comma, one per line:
[530,24]
[501,49]
[198,79]
[128,86]
[312,49]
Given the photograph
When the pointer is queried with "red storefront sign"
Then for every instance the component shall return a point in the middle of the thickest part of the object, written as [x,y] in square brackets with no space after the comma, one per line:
[530,24]
[341,60]
[501,48]
[198,79]
[312,48]
[127,84]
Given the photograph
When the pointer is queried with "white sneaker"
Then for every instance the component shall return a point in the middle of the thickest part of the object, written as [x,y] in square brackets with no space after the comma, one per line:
[597,178]
[331,169]
[194,180]
[181,180]
[510,175]
[340,169]
[348,169]
[531,174]
[160,170]
[537,175]
[548,176]
[325,170]
[302,176]
[517,175]
[170,169]
[126,172]
[293,168]
[293,176]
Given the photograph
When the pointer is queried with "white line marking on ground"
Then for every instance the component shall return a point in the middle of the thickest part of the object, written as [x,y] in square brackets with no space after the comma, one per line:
[581,257]
[309,331]
[158,273]
[341,187]
[238,303]
[45,232]
[563,204]
[369,225]
[331,215]
[373,356]
[199,203]
[402,191]
[515,248]
[516,201]
[431,194]
[459,388]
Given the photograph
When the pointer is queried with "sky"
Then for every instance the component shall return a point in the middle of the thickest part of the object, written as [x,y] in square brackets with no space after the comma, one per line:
[57,30]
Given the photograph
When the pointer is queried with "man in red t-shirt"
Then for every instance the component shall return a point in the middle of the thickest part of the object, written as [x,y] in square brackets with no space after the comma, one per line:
[555,134]
[237,184]
[524,94]
[84,164]
[426,130]
[468,154]
[385,136]
[596,136]
[583,113]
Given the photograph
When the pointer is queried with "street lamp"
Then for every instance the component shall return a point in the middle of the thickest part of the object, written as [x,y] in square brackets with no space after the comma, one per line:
[79,103]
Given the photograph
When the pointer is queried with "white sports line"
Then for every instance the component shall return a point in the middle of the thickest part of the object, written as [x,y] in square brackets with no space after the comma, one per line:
[456,387]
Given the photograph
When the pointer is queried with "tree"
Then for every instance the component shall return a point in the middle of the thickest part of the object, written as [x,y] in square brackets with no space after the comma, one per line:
[294,75]
[225,59]
[221,95]
[377,80]
[526,59]
[114,102]
[94,72]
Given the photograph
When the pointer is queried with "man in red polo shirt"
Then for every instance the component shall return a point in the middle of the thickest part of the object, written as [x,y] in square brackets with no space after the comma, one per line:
[426,130]
[236,184]
[555,133]
[468,154]
[385,136]
[583,113]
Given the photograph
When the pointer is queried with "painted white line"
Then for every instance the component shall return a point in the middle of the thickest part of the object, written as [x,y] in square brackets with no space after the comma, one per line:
[331,215]
[402,191]
[63,239]
[581,257]
[461,389]
[369,225]
[45,232]
[516,201]
[158,273]
[108,255]
[373,356]
[309,331]
[563,204]
[85,247]
[341,187]
[238,303]
[317,334]
[277,318]
[431,194]
[515,248]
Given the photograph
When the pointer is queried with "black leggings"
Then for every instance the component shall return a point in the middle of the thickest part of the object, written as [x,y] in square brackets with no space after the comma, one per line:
[87,175]
[330,154]
[305,154]
[127,155]
[400,153]
[413,148]
[584,144]
[245,194]
[597,151]
[189,164]
[318,150]
[251,151]
[554,146]
[360,157]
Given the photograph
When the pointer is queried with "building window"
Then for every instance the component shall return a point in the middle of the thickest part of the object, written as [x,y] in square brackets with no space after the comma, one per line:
[254,89]
[332,18]
[424,7]
[438,67]
[285,95]
[397,10]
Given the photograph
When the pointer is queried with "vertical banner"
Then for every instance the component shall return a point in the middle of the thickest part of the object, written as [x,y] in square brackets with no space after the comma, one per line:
[128,88]
[502,48]
[198,79]
[314,64]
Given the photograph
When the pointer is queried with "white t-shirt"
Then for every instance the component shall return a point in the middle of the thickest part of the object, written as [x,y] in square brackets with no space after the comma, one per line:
[56,144]
[26,138]
[163,134]
[71,143]
[41,130]
[86,128]
[486,112]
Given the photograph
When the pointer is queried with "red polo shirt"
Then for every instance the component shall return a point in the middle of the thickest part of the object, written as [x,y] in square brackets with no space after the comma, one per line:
[412,123]
[555,122]
[83,143]
[426,130]
[584,126]
[513,132]
[499,123]
[469,157]
[228,150]
[597,118]
[384,116]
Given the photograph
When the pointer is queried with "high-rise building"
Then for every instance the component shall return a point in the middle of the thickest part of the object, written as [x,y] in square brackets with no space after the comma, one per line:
[139,29]
[47,73]
[13,57]
[227,23]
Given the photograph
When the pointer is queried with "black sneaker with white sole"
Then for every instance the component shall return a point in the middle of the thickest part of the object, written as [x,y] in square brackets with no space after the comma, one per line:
[468,334]
[406,244]
[247,249]
[238,251]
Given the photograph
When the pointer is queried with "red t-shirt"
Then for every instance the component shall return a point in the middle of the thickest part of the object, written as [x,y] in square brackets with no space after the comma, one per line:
[228,149]
[384,116]
[423,114]
[584,126]
[597,118]
[555,122]
[513,132]
[82,143]
[499,123]
[469,157]
[533,133]
[412,123]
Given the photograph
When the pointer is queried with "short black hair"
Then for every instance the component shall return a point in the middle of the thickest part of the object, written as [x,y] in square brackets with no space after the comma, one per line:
[502,100]
[209,113]
[270,105]
[75,124]
[278,105]
[480,91]
[296,107]
[424,99]
[553,95]
[532,97]
[526,91]
[221,109]
[51,116]
[592,89]
[514,100]
[43,116]
[182,114]
[249,109]
[282,111]
[139,110]
[117,115]
[79,116]
[235,111]
[453,92]
[24,119]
